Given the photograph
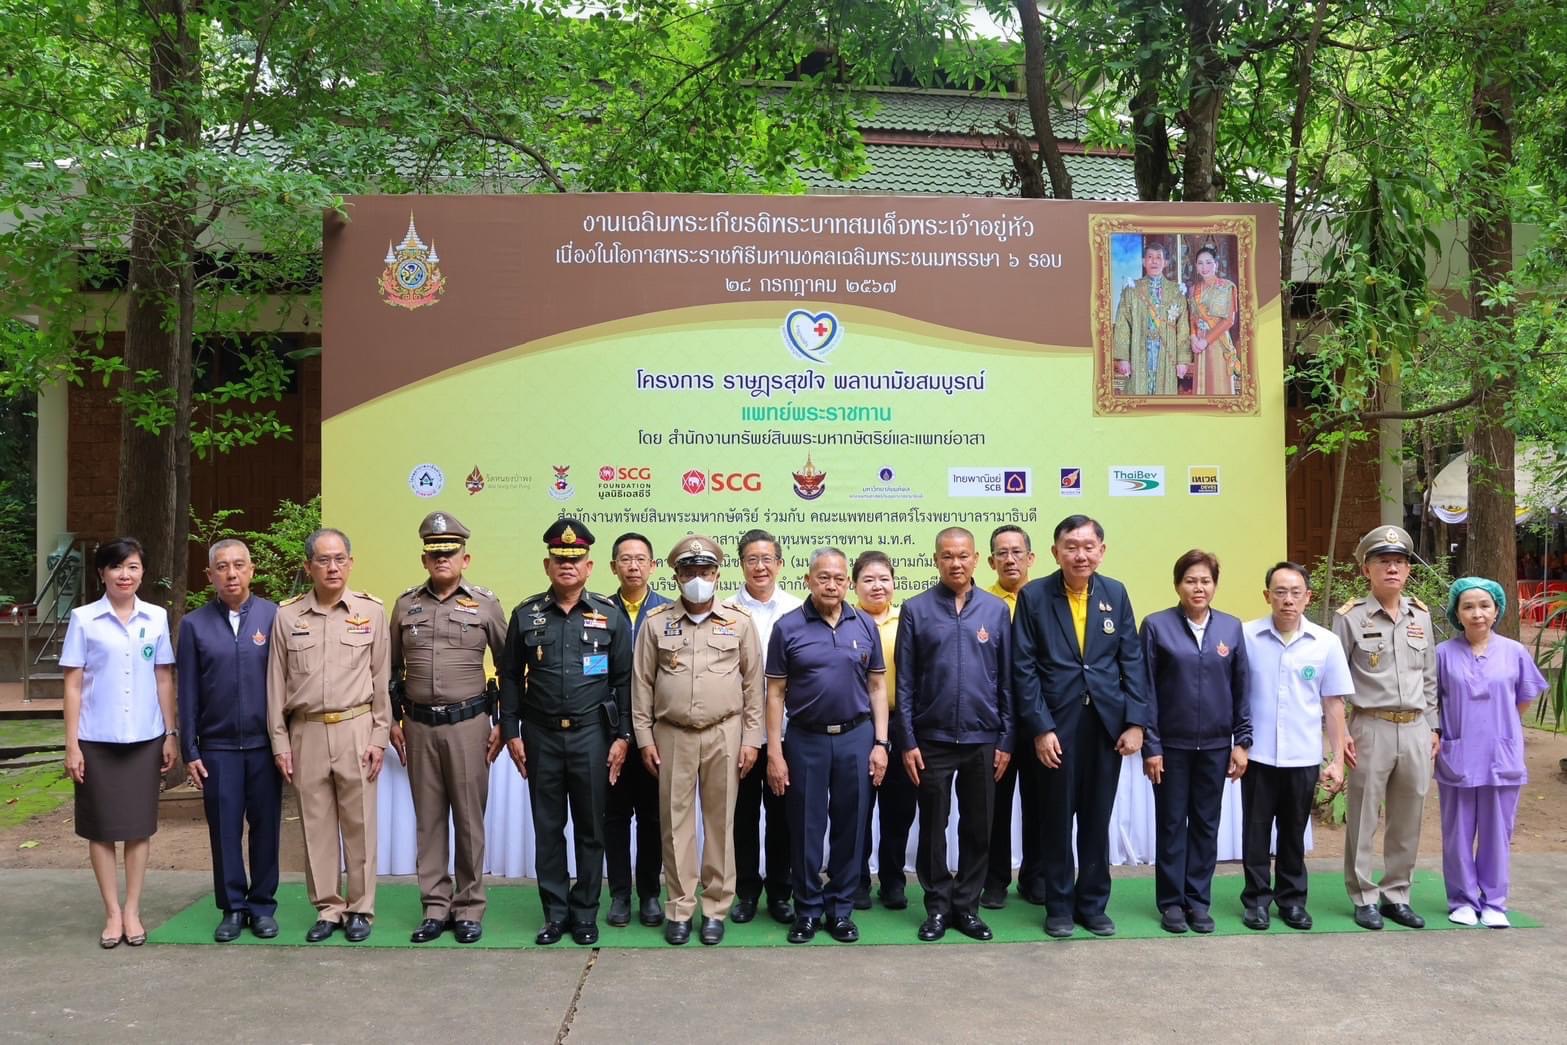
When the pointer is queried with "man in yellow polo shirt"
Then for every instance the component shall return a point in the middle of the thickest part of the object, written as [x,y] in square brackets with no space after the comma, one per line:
[1012,556]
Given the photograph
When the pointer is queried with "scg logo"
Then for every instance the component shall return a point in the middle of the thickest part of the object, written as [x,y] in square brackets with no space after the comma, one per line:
[695,481]
[609,474]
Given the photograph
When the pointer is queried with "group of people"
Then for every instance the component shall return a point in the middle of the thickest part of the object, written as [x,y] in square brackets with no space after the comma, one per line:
[1173,337]
[831,714]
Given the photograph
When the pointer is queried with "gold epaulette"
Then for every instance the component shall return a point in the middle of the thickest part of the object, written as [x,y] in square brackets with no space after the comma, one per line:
[660,608]
[367,595]
[1417,604]
[1346,607]
[291,600]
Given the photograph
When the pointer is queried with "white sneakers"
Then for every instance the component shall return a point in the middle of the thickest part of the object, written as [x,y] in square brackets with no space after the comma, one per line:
[1464,916]
[1491,918]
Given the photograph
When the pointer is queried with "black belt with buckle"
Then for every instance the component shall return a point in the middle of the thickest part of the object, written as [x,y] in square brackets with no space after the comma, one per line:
[831,730]
[562,722]
[447,714]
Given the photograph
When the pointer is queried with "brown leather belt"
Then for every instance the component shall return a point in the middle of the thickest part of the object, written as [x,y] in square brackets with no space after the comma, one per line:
[1402,718]
[334,717]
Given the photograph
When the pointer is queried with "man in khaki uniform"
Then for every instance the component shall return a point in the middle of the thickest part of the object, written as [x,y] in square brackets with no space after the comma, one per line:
[696,708]
[441,723]
[329,714]
[1393,735]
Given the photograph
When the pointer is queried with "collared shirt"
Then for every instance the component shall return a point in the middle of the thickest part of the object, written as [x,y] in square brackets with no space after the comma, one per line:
[827,668]
[888,630]
[633,609]
[234,616]
[1078,600]
[955,668]
[118,662]
[438,644]
[1392,658]
[695,673]
[1008,597]
[1198,630]
[329,658]
[221,675]
[1285,689]
[566,664]
[764,615]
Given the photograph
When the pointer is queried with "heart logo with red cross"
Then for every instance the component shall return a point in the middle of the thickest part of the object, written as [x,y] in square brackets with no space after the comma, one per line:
[811,335]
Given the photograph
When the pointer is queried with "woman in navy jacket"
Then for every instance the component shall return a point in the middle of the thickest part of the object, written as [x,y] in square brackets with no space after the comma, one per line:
[1200,734]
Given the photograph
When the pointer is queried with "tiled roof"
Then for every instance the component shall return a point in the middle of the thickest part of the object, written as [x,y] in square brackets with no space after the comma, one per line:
[970,172]
[958,112]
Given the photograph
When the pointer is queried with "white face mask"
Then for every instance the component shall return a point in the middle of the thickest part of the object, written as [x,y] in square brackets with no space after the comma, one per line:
[698,590]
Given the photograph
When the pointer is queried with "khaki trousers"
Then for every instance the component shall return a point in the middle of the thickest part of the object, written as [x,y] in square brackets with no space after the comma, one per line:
[335,799]
[1393,771]
[696,761]
[449,777]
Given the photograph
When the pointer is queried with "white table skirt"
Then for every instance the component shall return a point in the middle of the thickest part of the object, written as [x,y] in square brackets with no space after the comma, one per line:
[509,849]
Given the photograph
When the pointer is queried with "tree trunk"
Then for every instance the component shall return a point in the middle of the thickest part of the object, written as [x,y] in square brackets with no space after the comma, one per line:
[1210,78]
[1492,523]
[1150,132]
[1049,158]
[1390,445]
[154,484]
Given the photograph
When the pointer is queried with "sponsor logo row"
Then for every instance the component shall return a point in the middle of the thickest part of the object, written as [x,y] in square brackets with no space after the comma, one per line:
[810,482]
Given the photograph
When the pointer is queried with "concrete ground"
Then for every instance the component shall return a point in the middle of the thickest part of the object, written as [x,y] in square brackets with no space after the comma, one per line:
[1478,985]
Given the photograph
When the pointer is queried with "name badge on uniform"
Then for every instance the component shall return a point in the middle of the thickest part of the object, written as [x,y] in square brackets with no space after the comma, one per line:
[300,631]
[672,627]
[595,663]
[415,608]
[595,620]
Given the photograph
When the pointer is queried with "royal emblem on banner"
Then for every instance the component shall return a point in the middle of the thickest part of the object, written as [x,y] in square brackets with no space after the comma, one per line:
[412,277]
[810,482]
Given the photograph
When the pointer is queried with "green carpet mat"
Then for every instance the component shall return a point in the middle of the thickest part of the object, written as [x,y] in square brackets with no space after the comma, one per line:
[514,916]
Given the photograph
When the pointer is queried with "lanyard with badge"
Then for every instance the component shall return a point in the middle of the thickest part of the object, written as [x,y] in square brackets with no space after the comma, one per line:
[595,663]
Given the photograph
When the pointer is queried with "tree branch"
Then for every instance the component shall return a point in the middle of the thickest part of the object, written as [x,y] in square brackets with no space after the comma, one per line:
[507,140]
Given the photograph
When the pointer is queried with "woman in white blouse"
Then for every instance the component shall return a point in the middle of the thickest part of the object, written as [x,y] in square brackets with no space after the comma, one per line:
[120,734]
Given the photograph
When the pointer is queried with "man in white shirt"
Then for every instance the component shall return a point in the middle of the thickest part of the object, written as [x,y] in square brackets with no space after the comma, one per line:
[1296,671]
[761,560]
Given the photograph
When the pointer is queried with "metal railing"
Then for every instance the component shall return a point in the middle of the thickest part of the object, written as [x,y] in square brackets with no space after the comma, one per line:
[50,610]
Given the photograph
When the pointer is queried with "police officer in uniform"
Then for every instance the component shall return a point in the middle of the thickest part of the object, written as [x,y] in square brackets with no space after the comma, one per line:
[1393,731]
[441,723]
[329,715]
[565,716]
[697,711]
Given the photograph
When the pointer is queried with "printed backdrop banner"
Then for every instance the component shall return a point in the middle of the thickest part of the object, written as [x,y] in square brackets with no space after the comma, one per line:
[850,371]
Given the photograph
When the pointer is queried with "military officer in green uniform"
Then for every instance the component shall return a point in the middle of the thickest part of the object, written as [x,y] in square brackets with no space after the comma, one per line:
[441,723]
[1393,734]
[566,719]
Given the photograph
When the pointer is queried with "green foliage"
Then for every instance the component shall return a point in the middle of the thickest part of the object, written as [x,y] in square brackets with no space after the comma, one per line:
[17,507]
[278,552]
[1428,582]
[1550,653]
[32,792]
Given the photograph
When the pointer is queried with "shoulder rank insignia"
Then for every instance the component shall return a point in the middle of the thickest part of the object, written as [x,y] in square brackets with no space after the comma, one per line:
[737,610]
[1417,604]
[292,599]
[367,595]
[656,610]
[410,591]
[1346,607]
[482,592]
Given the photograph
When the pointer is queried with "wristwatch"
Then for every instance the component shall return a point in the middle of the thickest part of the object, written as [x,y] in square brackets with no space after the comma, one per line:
[883,743]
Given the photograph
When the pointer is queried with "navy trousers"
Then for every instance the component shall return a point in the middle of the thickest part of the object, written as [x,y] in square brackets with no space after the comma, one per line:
[243,787]
[829,790]
[1084,787]
[752,799]
[1186,818]
[1023,775]
[898,802]
[634,794]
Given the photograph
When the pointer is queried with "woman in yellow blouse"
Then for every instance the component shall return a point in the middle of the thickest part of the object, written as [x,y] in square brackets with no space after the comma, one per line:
[873,589]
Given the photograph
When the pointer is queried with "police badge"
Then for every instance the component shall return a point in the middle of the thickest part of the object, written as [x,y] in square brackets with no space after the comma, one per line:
[412,277]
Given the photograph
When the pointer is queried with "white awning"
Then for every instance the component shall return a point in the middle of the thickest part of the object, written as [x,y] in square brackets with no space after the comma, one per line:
[1449,494]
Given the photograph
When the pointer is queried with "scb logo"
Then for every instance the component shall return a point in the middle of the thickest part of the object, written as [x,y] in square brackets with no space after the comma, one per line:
[696,481]
[609,473]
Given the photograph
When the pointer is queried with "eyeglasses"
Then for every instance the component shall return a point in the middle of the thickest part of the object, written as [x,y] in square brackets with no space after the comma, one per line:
[634,560]
[324,561]
[1288,593]
[758,560]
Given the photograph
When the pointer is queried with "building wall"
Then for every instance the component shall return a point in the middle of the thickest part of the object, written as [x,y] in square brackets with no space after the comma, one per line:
[1309,500]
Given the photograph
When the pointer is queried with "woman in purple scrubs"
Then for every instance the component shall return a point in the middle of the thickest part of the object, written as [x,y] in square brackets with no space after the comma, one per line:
[1484,682]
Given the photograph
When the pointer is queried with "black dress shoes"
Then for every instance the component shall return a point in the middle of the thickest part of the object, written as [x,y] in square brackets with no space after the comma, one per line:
[1173,920]
[619,911]
[780,911]
[1256,918]
[862,900]
[1295,917]
[356,928]
[1098,924]
[230,927]
[677,933]
[743,911]
[712,932]
[467,932]
[804,929]
[263,926]
[428,930]
[320,931]
[1030,897]
[1059,926]
[1403,914]
[933,928]
[551,933]
[585,934]
[894,899]
[843,929]
[1199,920]
[993,899]
[652,913]
[971,926]
[1367,917]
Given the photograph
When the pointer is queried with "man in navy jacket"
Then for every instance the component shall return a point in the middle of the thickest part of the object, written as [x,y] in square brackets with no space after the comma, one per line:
[1081,689]
[221,662]
[954,716]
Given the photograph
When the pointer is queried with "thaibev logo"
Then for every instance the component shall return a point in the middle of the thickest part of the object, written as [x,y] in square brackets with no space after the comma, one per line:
[1136,481]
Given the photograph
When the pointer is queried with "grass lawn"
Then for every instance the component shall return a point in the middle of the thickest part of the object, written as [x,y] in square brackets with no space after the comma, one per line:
[32,732]
[26,793]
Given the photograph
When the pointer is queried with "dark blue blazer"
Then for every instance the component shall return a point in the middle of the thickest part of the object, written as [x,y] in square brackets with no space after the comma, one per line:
[1050,673]
[1197,696]
[652,599]
[221,678]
